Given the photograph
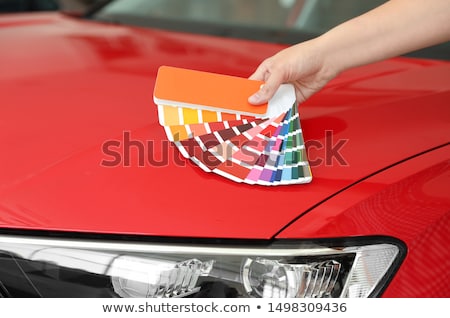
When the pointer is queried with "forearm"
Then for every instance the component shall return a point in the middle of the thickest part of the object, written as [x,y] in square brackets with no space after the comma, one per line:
[395,28]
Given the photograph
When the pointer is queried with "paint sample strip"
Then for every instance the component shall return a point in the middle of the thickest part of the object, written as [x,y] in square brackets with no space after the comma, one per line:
[290,146]
[255,148]
[246,149]
[210,151]
[172,115]
[264,168]
[182,132]
[291,164]
[205,90]
[238,165]
[212,139]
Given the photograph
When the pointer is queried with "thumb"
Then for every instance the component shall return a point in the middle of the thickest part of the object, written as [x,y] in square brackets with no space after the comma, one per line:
[266,91]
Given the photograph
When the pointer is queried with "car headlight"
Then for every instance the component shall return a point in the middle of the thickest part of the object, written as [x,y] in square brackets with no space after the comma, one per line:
[57,267]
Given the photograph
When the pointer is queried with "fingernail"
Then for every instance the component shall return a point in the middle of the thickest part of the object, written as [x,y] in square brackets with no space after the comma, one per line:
[254,99]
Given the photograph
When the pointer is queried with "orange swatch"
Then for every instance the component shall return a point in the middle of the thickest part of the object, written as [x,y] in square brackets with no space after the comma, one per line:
[208,91]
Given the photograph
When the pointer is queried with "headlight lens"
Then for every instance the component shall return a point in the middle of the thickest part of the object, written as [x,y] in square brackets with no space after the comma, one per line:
[42,267]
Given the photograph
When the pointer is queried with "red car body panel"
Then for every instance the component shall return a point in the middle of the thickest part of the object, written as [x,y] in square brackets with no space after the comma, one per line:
[72,91]
[408,201]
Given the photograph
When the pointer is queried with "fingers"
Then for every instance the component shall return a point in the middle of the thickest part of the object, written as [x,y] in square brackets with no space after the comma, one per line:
[260,73]
[273,81]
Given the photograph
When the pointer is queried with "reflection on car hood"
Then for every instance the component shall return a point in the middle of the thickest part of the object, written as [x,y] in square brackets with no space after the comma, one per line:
[77,93]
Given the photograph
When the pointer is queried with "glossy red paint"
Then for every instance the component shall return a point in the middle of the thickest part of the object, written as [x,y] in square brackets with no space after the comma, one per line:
[69,87]
[409,201]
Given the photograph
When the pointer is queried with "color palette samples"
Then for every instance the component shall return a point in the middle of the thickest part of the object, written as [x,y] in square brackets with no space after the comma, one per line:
[208,118]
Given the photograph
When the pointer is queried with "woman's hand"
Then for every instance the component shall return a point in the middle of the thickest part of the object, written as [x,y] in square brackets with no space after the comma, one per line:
[301,65]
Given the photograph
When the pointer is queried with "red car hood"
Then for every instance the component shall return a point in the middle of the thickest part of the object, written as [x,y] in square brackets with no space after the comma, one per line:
[70,89]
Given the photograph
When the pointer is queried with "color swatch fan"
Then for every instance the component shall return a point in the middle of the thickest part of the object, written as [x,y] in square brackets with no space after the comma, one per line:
[209,119]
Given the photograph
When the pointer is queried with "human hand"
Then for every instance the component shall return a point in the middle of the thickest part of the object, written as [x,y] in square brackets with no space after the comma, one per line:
[302,65]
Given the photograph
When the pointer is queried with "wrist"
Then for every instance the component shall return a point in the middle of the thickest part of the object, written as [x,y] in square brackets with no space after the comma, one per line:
[329,66]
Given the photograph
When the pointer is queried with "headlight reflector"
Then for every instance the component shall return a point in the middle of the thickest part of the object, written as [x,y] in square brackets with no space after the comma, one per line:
[139,277]
[272,279]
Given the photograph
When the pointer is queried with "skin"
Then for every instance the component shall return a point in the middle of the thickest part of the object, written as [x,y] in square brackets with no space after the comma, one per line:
[394,28]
